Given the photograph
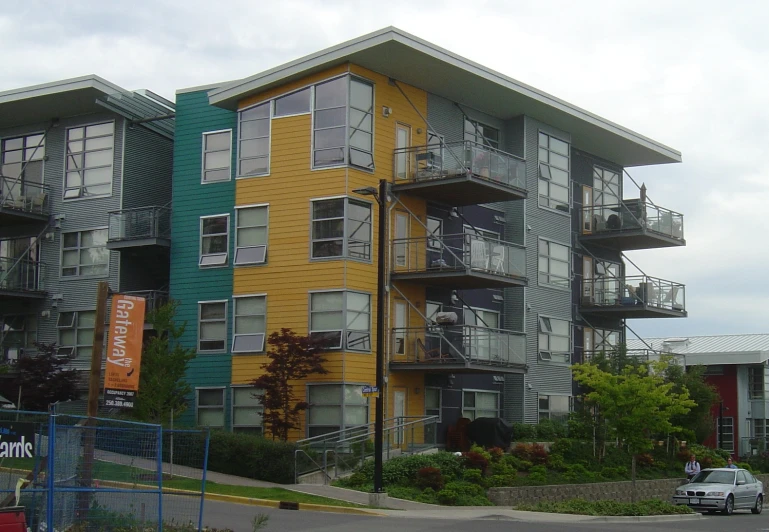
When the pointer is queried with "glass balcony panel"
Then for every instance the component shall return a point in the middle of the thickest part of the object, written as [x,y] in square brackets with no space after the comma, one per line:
[140,223]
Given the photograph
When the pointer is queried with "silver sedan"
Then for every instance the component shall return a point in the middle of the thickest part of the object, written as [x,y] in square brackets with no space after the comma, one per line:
[722,489]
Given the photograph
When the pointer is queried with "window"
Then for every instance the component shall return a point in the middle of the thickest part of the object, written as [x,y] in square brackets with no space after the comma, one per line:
[431,313]
[554,407]
[605,340]
[249,324]
[605,187]
[758,381]
[432,408]
[254,141]
[608,285]
[331,144]
[16,334]
[212,326]
[210,407]
[554,264]
[434,232]
[481,133]
[22,154]
[76,334]
[214,240]
[293,104]
[217,156]
[477,404]
[251,235]
[89,161]
[341,227]
[335,407]
[554,340]
[343,318]
[553,173]
[85,253]
[727,442]
[246,409]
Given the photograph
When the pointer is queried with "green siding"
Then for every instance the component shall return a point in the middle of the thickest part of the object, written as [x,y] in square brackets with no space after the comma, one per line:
[191,200]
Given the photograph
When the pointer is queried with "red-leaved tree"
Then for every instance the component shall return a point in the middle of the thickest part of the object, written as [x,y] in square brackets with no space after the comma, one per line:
[292,358]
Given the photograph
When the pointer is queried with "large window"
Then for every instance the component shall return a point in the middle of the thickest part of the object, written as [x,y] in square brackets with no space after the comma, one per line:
[553,173]
[249,317]
[85,253]
[293,104]
[343,318]
[251,234]
[554,407]
[21,157]
[217,156]
[758,381]
[554,264]
[254,141]
[481,133]
[606,186]
[341,227]
[246,410]
[17,333]
[90,154]
[214,240]
[76,334]
[477,404]
[210,407]
[433,402]
[212,326]
[726,434]
[335,407]
[554,340]
[334,143]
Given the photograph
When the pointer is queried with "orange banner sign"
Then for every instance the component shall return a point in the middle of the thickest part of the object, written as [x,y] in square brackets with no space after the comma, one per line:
[124,351]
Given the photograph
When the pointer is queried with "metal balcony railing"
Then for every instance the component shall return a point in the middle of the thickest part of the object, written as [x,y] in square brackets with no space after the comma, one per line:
[21,275]
[752,446]
[451,344]
[632,291]
[436,161]
[644,355]
[458,252]
[633,215]
[154,299]
[140,223]
[20,195]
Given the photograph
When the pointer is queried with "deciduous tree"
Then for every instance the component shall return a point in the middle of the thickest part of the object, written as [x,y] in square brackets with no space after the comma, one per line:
[43,379]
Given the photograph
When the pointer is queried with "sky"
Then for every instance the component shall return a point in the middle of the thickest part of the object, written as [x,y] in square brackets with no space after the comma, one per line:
[689,74]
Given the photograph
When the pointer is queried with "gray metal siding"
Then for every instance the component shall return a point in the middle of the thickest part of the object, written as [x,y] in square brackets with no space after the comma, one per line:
[513,408]
[148,169]
[515,211]
[445,118]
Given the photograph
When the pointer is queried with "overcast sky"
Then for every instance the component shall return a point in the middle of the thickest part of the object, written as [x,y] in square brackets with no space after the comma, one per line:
[690,74]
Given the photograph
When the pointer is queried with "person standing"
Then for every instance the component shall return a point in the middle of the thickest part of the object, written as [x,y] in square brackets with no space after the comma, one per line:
[730,464]
[692,467]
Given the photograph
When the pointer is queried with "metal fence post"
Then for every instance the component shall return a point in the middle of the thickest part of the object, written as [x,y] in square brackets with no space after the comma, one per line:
[160,477]
[49,475]
[203,484]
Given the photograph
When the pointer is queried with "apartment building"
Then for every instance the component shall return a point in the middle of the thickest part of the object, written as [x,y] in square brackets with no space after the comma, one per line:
[505,229]
[85,196]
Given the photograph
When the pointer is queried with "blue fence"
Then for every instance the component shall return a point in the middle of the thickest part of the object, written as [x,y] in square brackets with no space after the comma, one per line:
[100,474]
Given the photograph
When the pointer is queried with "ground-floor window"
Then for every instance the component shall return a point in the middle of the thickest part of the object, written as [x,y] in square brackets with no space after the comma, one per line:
[246,410]
[725,434]
[333,407]
[554,407]
[209,407]
[477,403]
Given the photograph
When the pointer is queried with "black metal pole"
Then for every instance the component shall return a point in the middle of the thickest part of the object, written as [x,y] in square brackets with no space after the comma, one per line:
[721,425]
[380,340]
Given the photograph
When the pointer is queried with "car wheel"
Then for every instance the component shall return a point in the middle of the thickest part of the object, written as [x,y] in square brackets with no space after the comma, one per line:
[729,506]
[759,505]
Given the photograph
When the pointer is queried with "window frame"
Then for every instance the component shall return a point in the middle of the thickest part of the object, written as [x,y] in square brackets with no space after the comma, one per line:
[478,136]
[549,282]
[266,226]
[239,159]
[544,327]
[67,154]
[225,255]
[342,405]
[199,322]
[548,410]
[728,431]
[223,406]
[24,162]
[311,92]
[544,175]
[235,316]
[344,332]
[440,403]
[434,238]
[80,249]
[474,408]
[234,408]
[205,152]
[69,350]
[345,255]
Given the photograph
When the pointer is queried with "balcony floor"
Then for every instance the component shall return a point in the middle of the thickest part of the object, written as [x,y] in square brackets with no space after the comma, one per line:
[460,279]
[139,243]
[632,239]
[460,190]
[17,295]
[17,223]
[632,311]
[456,367]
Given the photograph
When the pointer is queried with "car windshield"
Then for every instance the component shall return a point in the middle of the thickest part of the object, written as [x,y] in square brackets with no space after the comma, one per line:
[714,477]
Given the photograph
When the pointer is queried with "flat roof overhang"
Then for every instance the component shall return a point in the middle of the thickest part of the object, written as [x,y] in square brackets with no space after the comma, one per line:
[16,219]
[404,57]
[456,367]
[632,240]
[139,243]
[460,190]
[460,279]
[8,295]
[631,311]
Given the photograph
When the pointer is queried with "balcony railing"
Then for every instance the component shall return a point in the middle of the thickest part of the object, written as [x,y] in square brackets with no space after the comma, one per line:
[438,164]
[140,224]
[638,291]
[458,344]
[23,196]
[434,257]
[154,299]
[752,446]
[644,355]
[21,275]
[634,218]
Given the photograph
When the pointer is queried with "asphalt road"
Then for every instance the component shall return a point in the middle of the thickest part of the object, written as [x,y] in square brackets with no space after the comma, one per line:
[238,518]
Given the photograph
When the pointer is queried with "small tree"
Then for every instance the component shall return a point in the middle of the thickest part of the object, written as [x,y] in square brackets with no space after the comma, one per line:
[43,379]
[698,422]
[293,358]
[162,387]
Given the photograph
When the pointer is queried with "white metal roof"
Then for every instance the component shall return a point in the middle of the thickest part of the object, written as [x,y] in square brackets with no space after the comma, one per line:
[404,57]
[723,349]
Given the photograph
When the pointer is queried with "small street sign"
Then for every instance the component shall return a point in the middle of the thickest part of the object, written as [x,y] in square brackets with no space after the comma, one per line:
[370,391]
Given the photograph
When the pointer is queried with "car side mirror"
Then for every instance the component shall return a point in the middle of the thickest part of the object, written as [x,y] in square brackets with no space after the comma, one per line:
[741,482]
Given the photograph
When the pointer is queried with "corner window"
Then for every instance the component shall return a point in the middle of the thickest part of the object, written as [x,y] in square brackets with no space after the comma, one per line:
[89,159]
[554,340]
[341,228]
[84,253]
[554,407]
[210,407]
[477,404]
[21,167]
[254,141]
[758,381]
[251,235]
[293,104]
[481,133]
[249,317]
[553,173]
[217,156]
[212,326]
[434,232]
[76,334]
[554,264]
[214,240]
[247,411]
[334,407]
[343,318]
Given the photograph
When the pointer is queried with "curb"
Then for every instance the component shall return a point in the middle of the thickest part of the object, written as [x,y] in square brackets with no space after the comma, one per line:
[647,518]
[295,506]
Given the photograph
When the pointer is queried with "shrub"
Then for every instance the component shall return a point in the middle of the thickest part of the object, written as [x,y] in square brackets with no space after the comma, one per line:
[430,477]
[405,492]
[427,496]
[577,473]
[403,471]
[464,494]
[532,452]
[473,475]
[538,474]
[524,432]
[503,468]
[247,455]
[496,454]
[499,481]
[474,459]
[582,507]
[644,460]
[556,462]
[448,496]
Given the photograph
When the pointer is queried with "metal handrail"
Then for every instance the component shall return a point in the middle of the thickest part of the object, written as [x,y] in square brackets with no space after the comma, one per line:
[631,215]
[140,222]
[623,291]
[21,274]
[19,194]
[450,344]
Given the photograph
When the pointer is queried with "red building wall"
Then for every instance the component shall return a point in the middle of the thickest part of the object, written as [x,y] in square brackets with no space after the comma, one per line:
[726,385]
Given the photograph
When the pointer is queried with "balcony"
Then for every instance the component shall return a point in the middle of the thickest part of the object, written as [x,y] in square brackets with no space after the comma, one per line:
[154,299]
[21,278]
[459,261]
[458,348]
[632,224]
[638,296]
[459,173]
[642,355]
[24,207]
[143,227]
